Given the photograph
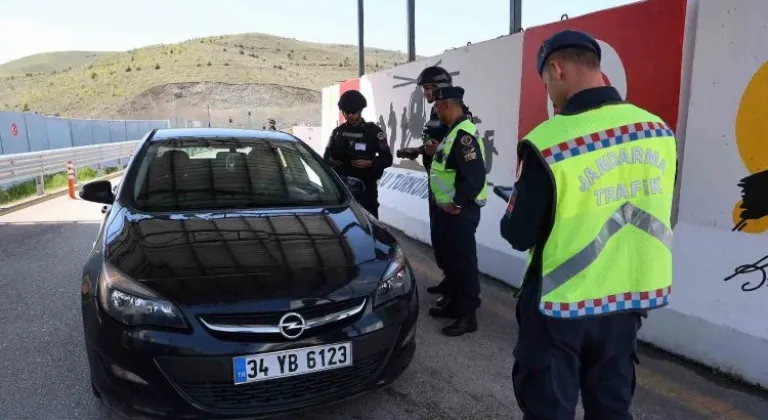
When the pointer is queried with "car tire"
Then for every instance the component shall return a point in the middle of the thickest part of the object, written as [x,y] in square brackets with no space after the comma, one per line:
[95,391]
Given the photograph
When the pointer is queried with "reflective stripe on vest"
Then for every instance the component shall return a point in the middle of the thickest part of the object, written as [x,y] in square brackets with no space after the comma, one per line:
[610,248]
[442,180]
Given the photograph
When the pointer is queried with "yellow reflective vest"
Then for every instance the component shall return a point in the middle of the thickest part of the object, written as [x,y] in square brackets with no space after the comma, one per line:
[442,180]
[610,248]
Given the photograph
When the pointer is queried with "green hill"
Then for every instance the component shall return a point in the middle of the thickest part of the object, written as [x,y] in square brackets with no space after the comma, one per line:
[100,86]
[51,61]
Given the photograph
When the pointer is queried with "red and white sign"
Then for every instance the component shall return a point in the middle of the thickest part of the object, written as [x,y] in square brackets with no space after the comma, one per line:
[14,129]
[641,60]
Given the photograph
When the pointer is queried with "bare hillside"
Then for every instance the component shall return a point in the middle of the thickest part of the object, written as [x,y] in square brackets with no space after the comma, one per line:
[101,89]
[51,61]
[191,101]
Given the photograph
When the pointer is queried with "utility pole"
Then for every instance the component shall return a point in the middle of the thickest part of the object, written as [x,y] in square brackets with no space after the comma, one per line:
[361,37]
[515,16]
[411,30]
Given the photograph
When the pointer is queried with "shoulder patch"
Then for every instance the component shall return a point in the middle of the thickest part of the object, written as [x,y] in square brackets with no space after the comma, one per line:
[466,140]
[469,153]
[382,136]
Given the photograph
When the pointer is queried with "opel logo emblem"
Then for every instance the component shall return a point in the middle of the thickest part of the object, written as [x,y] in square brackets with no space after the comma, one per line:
[292,325]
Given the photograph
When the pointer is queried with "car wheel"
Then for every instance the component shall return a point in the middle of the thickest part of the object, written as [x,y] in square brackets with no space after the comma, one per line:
[95,391]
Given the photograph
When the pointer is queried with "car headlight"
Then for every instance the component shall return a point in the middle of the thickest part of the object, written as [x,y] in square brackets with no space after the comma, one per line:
[132,303]
[396,281]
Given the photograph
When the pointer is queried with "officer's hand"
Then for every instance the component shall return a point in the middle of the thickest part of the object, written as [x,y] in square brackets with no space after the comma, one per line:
[335,162]
[451,209]
[430,147]
[362,163]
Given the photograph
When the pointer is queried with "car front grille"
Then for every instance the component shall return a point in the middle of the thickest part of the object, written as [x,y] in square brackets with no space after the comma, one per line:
[271,319]
[284,394]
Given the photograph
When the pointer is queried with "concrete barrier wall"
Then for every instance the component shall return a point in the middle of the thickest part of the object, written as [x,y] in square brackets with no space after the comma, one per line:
[718,110]
[27,132]
[312,136]
[721,237]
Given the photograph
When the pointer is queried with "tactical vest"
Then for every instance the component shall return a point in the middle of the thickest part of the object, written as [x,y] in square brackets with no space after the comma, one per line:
[610,248]
[442,180]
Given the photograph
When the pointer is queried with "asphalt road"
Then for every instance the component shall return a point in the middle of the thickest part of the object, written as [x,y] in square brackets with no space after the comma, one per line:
[43,370]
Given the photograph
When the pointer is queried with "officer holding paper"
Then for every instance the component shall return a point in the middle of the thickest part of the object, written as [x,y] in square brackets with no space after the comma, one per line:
[457,183]
[592,206]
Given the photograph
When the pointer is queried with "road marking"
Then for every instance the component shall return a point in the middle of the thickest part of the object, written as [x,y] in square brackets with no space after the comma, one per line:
[648,379]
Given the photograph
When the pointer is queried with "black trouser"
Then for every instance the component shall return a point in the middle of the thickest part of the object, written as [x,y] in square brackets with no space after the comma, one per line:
[555,358]
[436,236]
[459,249]
[369,199]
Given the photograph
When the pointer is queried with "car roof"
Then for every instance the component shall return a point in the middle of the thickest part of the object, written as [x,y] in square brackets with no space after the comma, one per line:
[238,133]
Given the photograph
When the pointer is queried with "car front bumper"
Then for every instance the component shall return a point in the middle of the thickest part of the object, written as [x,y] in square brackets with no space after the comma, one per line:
[155,374]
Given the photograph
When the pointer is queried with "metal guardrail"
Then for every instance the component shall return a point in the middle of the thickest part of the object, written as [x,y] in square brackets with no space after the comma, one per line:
[26,166]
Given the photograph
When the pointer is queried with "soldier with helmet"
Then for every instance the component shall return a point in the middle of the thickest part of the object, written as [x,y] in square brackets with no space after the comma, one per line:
[359,149]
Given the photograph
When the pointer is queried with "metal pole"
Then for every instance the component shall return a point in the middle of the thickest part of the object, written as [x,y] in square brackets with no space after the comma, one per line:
[515,16]
[360,36]
[411,30]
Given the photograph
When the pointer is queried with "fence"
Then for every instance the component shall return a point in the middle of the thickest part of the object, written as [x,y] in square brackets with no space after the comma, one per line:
[23,132]
[23,175]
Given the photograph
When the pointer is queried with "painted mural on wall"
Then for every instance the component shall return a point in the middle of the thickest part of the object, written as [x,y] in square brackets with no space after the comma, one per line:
[625,60]
[404,126]
[750,213]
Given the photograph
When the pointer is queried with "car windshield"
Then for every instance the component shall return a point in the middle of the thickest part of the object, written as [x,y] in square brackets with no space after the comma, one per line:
[229,173]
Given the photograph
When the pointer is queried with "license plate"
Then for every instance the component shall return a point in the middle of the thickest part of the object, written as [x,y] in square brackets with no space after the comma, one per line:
[281,364]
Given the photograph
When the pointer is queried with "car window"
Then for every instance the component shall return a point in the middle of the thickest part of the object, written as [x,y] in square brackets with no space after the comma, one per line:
[211,173]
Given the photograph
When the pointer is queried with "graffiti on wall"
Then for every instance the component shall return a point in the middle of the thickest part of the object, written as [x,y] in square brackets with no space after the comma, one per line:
[750,214]
[405,125]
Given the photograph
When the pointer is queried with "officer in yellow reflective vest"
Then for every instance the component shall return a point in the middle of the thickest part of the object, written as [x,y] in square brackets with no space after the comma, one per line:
[458,185]
[592,206]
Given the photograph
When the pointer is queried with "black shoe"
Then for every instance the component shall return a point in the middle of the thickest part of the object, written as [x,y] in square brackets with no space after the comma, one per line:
[442,301]
[445,313]
[463,325]
[439,289]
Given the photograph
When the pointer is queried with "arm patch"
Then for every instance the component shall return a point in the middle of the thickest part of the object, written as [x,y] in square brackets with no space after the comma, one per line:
[382,139]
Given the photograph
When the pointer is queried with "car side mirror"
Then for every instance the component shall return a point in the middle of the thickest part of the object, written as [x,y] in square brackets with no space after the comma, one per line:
[98,192]
[355,185]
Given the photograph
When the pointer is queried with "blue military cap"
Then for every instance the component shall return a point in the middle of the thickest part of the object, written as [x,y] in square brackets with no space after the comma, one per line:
[566,39]
[448,92]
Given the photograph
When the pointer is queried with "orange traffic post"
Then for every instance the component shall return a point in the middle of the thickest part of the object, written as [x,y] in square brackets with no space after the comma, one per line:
[71,178]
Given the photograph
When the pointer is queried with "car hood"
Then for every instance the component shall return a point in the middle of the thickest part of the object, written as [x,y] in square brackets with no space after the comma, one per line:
[221,257]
